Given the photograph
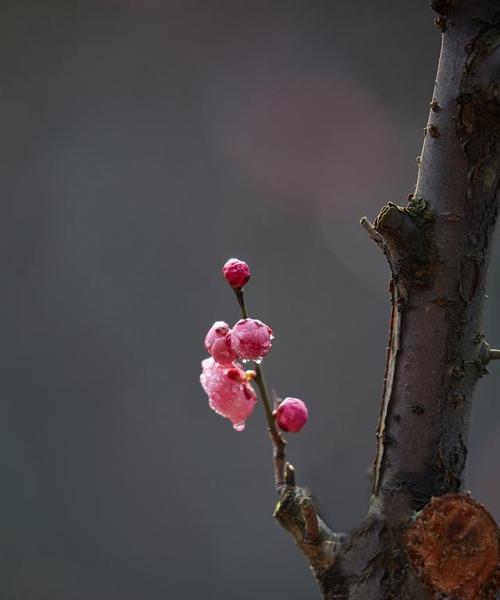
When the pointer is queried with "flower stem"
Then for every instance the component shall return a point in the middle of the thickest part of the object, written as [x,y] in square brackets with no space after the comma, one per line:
[261,382]
[241,302]
[264,394]
[277,440]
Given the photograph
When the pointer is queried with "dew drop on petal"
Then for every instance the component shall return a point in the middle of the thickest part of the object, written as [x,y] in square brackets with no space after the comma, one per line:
[250,338]
[229,392]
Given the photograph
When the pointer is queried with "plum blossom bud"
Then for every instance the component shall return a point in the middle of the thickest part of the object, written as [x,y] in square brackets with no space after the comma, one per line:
[291,415]
[236,272]
[251,339]
[229,393]
[218,344]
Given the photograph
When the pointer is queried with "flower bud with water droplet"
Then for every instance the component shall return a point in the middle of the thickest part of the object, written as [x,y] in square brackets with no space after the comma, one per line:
[218,344]
[251,339]
[291,415]
[236,272]
[229,393]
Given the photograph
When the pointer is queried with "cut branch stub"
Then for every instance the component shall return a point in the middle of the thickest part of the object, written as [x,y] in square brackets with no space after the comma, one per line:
[453,546]
[296,512]
[406,232]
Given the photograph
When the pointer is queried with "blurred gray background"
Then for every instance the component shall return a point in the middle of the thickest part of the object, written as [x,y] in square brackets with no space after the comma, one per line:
[143,142]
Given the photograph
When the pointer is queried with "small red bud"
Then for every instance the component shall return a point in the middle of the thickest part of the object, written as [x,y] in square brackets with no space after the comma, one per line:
[236,272]
[291,415]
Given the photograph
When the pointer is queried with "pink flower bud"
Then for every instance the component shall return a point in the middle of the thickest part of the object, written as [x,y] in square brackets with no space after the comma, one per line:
[291,415]
[229,393]
[251,339]
[218,344]
[236,272]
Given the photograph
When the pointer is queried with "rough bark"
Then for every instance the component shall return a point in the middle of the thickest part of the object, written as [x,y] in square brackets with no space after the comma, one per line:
[438,247]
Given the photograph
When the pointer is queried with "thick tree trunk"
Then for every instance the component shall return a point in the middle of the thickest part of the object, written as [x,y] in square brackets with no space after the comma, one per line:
[438,247]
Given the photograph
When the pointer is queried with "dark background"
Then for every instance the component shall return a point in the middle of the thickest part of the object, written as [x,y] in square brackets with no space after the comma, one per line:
[143,142]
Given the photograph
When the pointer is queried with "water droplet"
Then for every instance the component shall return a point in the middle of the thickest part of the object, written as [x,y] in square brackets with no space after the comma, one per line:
[245,360]
[258,360]
[239,426]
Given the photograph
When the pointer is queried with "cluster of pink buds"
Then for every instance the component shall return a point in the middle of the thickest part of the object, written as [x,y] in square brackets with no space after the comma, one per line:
[249,339]
[227,385]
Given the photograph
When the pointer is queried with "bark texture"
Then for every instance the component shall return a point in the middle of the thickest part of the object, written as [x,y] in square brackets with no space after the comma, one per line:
[437,246]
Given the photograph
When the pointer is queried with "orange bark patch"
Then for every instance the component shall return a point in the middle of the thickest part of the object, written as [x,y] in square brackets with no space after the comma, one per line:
[453,546]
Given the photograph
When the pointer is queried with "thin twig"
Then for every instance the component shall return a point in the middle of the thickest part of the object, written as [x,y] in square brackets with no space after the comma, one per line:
[372,232]
[241,301]
[289,475]
[313,537]
[494,354]
[277,440]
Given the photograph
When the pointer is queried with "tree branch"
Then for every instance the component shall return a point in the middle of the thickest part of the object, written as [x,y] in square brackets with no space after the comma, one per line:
[296,510]
[438,246]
